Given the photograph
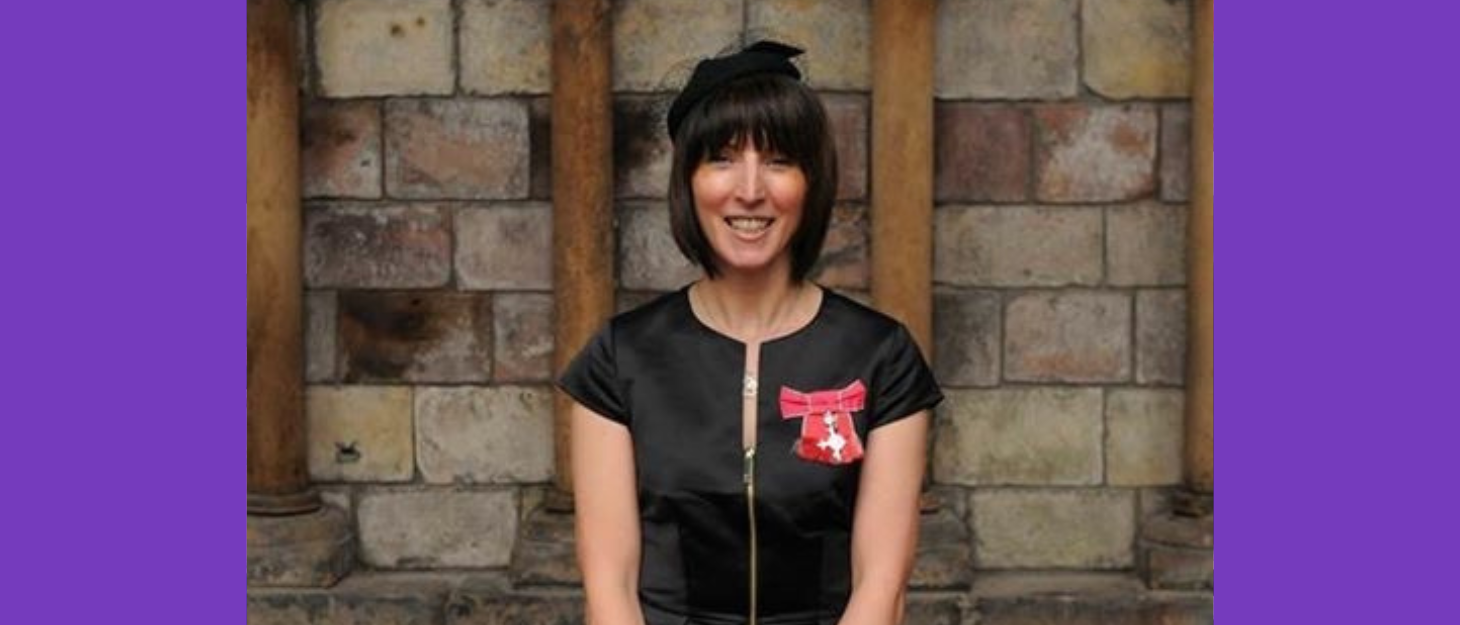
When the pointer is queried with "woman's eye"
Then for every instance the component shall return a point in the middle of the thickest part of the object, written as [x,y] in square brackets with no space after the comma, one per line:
[781,162]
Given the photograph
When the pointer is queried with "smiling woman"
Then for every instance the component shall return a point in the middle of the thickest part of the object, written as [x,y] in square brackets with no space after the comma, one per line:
[699,497]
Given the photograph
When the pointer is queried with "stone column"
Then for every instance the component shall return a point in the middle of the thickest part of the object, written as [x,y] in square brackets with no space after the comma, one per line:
[902,163]
[582,149]
[292,539]
[1200,355]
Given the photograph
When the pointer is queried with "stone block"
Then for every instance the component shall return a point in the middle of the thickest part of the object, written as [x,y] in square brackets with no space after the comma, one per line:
[989,49]
[505,246]
[942,608]
[1016,246]
[384,47]
[1143,437]
[944,557]
[522,332]
[642,153]
[1097,609]
[625,301]
[847,116]
[506,46]
[359,433]
[303,66]
[968,333]
[843,262]
[1174,568]
[340,149]
[499,434]
[391,599]
[492,604]
[425,529]
[1161,336]
[288,607]
[648,257]
[545,550]
[1175,152]
[837,36]
[1137,48]
[1018,436]
[1146,245]
[1053,528]
[457,149]
[1068,336]
[314,549]
[415,336]
[650,49]
[376,247]
[1094,153]
[540,137]
[981,152]
[320,333]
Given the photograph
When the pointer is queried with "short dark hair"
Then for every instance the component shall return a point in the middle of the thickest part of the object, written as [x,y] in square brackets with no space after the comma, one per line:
[778,114]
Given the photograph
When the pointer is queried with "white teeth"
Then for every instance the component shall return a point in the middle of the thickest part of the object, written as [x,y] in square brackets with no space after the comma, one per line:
[749,224]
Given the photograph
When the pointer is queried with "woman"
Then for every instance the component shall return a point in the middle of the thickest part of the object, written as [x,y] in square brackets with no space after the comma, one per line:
[749,448]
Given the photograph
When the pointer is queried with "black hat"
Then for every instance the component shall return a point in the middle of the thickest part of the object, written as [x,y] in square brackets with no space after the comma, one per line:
[765,57]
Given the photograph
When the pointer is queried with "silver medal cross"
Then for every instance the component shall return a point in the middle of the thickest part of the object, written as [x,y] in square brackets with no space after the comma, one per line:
[834,440]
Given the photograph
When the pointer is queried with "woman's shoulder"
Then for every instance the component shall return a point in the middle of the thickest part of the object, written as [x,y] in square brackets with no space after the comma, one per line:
[844,314]
[655,315]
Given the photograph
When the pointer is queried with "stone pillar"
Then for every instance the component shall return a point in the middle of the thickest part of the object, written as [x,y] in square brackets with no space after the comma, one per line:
[582,149]
[1200,355]
[292,539]
[902,163]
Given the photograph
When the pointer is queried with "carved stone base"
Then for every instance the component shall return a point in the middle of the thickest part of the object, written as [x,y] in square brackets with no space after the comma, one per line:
[311,550]
[1176,552]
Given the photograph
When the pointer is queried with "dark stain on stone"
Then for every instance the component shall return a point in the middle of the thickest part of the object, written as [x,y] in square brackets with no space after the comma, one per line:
[420,22]
[326,128]
[396,30]
[636,128]
[540,142]
[381,333]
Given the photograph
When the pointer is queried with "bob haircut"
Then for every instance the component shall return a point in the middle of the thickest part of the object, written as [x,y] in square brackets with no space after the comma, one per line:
[777,114]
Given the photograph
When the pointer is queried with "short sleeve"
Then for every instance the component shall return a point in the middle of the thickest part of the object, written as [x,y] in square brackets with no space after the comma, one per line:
[904,384]
[592,378]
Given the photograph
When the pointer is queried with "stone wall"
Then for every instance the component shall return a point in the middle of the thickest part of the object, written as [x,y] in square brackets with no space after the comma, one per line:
[1059,321]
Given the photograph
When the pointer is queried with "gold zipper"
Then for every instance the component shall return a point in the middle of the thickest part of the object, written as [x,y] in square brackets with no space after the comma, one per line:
[750,511]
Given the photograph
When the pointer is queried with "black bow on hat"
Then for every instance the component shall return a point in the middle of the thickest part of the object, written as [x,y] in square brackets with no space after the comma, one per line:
[765,57]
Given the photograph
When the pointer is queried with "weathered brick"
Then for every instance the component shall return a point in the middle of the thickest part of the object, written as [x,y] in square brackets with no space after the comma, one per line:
[320,332]
[384,47]
[968,330]
[1100,153]
[1175,152]
[648,258]
[1143,432]
[506,46]
[843,262]
[1048,528]
[505,246]
[287,606]
[1016,246]
[376,247]
[650,49]
[359,433]
[847,115]
[1025,436]
[1137,48]
[303,69]
[463,149]
[981,152]
[423,529]
[1161,336]
[994,49]
[642,152]
[415,336]
[1177,568]
[499,434]
[1146,244]
[1070,336]
[522,332]
[373,598]
[837,36]
[340,149]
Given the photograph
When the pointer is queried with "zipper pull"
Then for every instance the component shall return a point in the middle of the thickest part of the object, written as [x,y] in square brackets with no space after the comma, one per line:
[749,465]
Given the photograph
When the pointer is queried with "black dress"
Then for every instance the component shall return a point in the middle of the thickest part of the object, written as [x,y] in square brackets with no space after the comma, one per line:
[713,519]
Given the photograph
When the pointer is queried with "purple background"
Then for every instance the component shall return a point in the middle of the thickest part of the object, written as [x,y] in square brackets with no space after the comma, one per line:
[122,321]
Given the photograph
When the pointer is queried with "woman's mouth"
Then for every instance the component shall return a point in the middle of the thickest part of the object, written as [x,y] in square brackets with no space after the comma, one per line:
[749,225]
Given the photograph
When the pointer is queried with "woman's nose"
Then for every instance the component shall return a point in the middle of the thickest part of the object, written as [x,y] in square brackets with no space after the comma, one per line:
[749,187]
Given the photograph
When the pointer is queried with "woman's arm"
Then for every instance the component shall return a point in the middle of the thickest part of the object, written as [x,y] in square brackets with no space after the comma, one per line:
[885,527]
[607,511]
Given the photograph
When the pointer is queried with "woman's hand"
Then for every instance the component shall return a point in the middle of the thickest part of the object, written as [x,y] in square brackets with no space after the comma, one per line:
[885,528]
[607,518]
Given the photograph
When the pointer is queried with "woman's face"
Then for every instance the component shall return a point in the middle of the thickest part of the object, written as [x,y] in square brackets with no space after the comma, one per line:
[749,205]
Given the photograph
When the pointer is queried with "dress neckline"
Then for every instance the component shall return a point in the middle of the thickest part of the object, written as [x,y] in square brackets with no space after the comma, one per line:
[689,310]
